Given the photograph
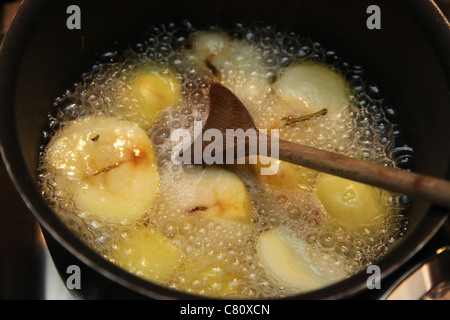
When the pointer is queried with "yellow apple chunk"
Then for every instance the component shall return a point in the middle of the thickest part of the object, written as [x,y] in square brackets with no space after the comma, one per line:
[149,254]
[314,87]
[348,202]
[283,174]
[282,258]
[219,193]
[108,165]
[153,92]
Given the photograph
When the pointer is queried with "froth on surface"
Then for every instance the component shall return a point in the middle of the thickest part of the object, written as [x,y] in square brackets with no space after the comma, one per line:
[219,258]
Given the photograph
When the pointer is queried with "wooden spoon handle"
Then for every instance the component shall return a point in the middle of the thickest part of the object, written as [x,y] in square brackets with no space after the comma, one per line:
[428,188]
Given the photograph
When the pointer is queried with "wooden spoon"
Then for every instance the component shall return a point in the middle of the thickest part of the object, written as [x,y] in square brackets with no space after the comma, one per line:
[228,112]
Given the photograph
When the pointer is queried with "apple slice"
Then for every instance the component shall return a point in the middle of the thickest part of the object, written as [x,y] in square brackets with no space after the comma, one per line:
[108,165]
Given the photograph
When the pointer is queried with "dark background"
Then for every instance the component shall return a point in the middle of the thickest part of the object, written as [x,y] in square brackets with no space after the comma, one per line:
[22,248]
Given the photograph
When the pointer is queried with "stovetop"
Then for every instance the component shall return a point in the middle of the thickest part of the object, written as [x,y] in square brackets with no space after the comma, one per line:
[27,270]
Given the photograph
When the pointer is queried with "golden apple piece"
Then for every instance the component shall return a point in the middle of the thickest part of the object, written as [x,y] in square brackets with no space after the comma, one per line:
[282,258]
[226,57]
[108,165]
[153,92]
[219,193]
[282,174]
[314,87]
[148,254]
[348,202]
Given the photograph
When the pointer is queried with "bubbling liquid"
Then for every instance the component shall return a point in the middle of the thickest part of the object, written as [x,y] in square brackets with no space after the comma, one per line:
[220,257]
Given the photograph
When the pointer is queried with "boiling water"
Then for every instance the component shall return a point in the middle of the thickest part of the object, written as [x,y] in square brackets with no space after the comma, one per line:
[227,249]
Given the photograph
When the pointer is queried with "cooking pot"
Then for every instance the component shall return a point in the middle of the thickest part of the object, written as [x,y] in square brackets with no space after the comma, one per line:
[407,55]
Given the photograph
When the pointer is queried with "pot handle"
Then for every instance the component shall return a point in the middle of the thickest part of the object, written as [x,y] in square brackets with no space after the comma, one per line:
[429,280]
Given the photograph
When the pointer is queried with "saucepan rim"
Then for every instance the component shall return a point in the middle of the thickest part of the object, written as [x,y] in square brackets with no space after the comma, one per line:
[426,12]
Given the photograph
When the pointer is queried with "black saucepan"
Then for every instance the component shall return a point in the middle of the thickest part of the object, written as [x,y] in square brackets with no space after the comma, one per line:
[408,57]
